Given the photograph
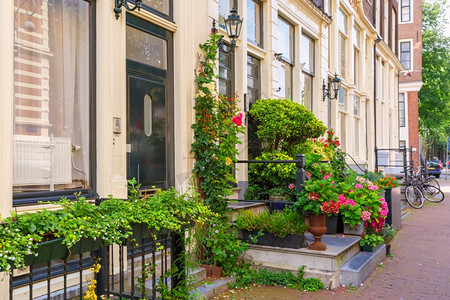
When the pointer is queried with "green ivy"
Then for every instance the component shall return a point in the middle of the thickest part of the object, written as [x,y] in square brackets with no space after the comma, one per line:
[216,129]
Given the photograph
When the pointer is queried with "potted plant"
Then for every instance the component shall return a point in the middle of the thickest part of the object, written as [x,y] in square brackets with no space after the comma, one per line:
[363,206]
[388,233]
[283,229]
[392,195]
[369,241]
[319,199]
[218,247]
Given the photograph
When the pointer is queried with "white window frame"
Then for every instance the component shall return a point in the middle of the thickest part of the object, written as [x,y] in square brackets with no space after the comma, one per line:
[411,51]
[411,10]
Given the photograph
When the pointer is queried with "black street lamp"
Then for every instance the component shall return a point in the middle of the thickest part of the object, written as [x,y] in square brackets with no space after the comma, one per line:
[124,3]
[233,25]
[335,85]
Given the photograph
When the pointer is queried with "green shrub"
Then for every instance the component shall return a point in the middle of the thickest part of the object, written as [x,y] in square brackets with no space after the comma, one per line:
[282,125]
[264,179]
[248,277]
[280,223]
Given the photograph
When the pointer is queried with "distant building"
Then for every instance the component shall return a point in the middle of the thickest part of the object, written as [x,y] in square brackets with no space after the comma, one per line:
[410,54]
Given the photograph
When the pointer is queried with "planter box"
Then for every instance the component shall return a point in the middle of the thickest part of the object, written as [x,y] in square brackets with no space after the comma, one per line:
[85,245]
[334,224]
[367,248]
[47,251]
[393,200]
[355,230]
[269,239]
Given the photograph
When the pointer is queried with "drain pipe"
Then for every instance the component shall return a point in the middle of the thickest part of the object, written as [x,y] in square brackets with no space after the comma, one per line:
[379,39]
[375,82]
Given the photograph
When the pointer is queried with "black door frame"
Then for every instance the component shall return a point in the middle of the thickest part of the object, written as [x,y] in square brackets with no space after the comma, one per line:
[168,77]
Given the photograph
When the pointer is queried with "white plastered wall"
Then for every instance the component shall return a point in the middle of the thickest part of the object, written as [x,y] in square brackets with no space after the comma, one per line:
[6,119]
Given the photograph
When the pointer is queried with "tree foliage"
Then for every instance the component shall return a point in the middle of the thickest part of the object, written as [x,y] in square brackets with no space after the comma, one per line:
[434,105]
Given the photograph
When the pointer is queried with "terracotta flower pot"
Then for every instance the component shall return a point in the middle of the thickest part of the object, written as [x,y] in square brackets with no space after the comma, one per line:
[212,271]
[318,228]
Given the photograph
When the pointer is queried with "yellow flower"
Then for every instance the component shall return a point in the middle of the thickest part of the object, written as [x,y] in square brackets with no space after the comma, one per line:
[229,161]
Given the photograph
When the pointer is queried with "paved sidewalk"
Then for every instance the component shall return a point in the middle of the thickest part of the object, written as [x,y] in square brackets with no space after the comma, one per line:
[420,268]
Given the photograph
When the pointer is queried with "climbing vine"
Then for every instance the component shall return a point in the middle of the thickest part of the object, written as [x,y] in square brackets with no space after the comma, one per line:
[216,128]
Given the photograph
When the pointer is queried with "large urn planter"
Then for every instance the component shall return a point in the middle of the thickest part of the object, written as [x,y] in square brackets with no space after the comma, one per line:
[358,229]
[317,228]
[269,239]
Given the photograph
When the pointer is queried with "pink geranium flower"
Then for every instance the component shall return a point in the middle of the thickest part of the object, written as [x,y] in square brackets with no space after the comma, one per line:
[374,187]
[365,215]
[358,186]
[291,186]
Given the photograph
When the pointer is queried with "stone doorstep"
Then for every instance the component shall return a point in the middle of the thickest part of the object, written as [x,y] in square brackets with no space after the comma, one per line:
[357,269]
[339,251]
[208,291]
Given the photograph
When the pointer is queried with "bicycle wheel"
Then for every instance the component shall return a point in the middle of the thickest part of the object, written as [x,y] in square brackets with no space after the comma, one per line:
[432,193]
[414,196]
[432,181]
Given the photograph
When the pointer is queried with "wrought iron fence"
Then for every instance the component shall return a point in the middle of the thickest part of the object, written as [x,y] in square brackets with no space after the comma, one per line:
[132,270]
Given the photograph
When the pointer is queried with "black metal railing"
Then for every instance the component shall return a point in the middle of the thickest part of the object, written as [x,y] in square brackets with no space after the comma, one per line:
[300,174]
[121,267]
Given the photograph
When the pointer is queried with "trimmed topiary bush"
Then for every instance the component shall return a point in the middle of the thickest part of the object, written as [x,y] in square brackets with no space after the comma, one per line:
[282,125]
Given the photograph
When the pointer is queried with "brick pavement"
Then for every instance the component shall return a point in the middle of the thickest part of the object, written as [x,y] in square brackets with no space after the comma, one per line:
[420,268]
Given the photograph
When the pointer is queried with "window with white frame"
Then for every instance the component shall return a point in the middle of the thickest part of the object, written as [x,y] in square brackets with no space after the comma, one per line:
[161,6]
[53,104]
[401,110]
[342,40]
[307,74]
[405,54]
[342,104]
[254,22]
[402,144]
[405,10]
[357,121]
[356,55]
[224,10]
[286,50]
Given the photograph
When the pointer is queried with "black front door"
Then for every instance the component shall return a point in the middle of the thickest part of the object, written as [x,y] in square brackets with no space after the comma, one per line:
[149,104]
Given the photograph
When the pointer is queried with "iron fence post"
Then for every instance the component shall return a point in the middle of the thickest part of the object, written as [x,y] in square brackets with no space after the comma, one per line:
[178,260]
[300,173]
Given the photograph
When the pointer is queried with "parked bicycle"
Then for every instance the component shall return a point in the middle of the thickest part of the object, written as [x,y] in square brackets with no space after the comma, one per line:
[419,189]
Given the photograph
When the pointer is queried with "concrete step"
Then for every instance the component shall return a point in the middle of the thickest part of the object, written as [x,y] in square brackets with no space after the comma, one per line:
[211,289]
[359,267]
[323,265]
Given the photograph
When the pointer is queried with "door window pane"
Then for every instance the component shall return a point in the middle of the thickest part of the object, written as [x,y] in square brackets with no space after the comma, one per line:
[52,100]
[146,48]
[254,22]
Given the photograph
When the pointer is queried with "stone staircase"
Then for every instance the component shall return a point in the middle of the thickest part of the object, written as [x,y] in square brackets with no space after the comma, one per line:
[342,262]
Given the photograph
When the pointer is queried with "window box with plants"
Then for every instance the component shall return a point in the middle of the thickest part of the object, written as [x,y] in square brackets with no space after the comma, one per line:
[80,226]
[283,229]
